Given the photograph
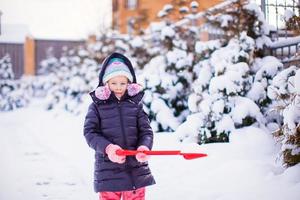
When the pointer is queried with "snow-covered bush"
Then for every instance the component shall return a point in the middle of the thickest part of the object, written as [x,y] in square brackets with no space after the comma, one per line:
[264,69]
[222,84]
[239,17]
[67,79]
[170,72]
[158,84]
[285,92]
[292,21]
[12,95]
[139,51]
[225,88]
[169,76]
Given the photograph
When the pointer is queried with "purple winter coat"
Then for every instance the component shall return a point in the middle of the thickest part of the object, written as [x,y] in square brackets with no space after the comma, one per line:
[122,122]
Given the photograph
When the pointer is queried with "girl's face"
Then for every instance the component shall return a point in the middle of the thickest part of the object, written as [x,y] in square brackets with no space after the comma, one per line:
[118,85]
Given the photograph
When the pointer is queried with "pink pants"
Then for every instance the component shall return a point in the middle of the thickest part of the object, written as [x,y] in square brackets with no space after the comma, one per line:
[138,194]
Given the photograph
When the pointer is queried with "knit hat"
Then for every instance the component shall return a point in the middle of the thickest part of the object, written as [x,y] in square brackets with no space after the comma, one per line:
[116,67]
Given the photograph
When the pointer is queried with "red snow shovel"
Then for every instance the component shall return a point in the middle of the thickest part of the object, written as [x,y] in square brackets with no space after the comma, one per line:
[187,156]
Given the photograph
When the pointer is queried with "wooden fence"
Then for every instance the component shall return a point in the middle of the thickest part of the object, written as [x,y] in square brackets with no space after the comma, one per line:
[40,51]
[45,48]
[16,53]
[288,51]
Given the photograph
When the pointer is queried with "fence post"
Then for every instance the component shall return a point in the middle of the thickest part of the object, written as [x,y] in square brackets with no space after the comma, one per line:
[92,39]
[29,56]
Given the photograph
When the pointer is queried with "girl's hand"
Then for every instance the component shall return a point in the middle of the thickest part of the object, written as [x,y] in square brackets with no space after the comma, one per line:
[141,157]
[110,150]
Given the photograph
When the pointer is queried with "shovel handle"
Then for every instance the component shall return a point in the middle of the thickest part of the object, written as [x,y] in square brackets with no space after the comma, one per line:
[134,152]
[187,156]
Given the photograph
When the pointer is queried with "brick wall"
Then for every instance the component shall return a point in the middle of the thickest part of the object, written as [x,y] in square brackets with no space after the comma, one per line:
[148,8]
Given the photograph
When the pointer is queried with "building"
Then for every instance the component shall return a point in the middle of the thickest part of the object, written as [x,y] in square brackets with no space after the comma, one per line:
[132,16]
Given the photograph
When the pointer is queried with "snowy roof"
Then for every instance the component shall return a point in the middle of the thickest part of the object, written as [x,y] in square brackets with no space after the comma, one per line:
[13,33]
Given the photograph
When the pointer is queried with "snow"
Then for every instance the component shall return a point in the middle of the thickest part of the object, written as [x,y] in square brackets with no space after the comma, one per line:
[44,156]
[207,45]
[161,13]
[205,105]
[291,116]
[137,42]
[225,125]
[225,20]
[194,4]
[204,76]
[283,82]
[262,41]
[193,101]
[167,32]
[184,9]
[218,106]
[285,42]
[261,18]
[222,83]
[257,92]
[202,13]
[220,58]
[287,15]
[245,107]
[168,7]
[285,77]
[255,8]
[152,74]
[173,57]
[188,131]
[164,114]
[242,68]
[269,67]
[297,82]
[76,84]
[122,45]
[156,26]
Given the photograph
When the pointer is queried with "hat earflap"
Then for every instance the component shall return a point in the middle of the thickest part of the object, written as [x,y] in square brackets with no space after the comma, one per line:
[102,92]
[133,89]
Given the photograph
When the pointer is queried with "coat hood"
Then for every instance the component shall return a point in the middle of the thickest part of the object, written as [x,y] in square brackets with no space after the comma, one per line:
[102,93]
[105,64]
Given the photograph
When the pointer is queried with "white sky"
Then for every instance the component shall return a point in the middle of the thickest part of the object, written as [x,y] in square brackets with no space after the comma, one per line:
[58,19]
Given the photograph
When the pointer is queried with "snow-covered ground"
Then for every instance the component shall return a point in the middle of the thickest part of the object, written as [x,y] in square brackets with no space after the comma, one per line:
[44,156]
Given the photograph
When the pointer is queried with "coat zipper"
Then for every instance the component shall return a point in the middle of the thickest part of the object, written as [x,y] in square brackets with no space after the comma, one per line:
[125,142]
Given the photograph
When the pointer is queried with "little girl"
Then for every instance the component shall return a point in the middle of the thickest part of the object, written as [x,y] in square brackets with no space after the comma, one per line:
[116,120]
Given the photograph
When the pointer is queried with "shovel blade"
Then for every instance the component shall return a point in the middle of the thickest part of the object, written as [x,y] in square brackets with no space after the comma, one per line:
[187,156]
[191,156]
